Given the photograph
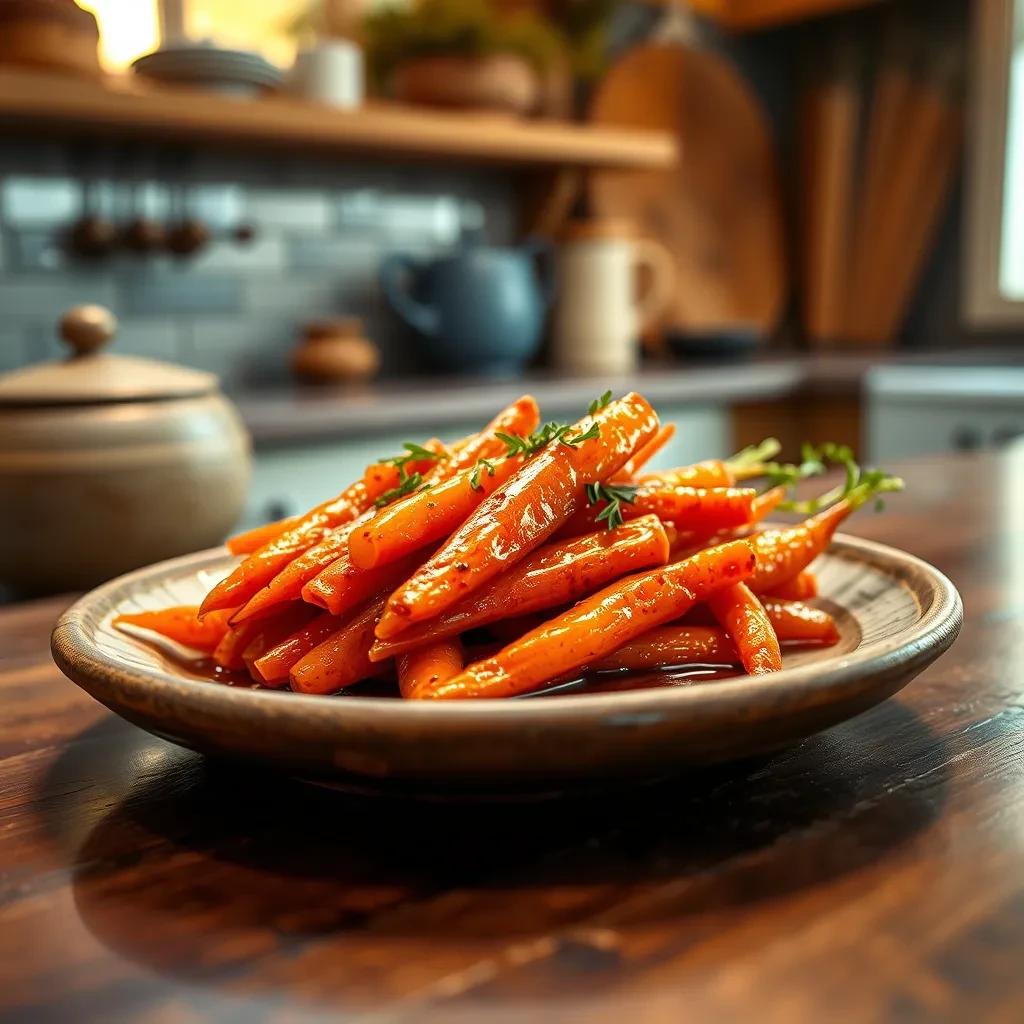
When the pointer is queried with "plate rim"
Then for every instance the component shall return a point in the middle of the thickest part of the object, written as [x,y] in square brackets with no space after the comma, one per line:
[931,635]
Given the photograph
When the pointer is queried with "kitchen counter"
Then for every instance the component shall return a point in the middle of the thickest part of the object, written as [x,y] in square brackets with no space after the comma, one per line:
[292,417]
[873,872]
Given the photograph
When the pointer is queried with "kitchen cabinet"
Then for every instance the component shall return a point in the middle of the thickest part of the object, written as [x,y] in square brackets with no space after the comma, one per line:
[929,410]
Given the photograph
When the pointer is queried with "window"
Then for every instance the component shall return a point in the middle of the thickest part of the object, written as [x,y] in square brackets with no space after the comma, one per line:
[994,253]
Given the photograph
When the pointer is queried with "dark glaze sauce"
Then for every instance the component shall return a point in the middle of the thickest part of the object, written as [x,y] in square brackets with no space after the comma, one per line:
[204,670]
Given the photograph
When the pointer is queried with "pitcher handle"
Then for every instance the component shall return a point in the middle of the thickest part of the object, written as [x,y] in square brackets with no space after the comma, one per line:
[658,294]
[395,270]
[542,252]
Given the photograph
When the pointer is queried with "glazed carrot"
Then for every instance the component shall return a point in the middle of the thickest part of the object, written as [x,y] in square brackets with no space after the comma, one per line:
[749,462]
[277,628]
[343,658]
[341,586]
[553,575]
[182,624]
[250,541]
[795,622]
[800,588]
[523,513]
[711,473]
[784,553]
[427,516]
[521,417]
[427,666]
[644,454]
[600,624]
[230,652]
[695,512]
[288,583]
[264,564]
[743,617]
[667,646]
[272,667]
[710,645]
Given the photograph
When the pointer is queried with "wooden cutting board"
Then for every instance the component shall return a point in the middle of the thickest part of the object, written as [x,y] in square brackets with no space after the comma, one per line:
[719,211]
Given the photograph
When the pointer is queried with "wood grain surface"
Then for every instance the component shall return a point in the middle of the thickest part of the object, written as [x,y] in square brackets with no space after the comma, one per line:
[871,873]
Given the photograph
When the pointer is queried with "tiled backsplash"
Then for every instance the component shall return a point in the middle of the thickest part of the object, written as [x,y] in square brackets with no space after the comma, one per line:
[321,231]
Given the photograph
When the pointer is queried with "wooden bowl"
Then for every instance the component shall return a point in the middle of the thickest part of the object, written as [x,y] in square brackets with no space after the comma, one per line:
[501,82]
[896,615]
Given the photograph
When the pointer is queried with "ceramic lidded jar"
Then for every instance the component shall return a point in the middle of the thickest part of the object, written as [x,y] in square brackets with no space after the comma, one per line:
[108,463]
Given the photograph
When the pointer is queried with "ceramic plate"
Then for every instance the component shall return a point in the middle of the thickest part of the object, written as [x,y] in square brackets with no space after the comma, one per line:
[896,615]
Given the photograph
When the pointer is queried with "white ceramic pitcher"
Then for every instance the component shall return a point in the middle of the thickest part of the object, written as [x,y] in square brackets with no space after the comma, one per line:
[599,316]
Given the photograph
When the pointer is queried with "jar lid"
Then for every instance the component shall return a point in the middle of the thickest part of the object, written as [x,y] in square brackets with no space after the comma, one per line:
[89,377]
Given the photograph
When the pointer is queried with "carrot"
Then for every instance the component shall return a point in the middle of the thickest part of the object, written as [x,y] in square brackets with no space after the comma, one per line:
[556,574]
[695,512]
[343,658]
[747,623]
[709,645]
[521,417]
[801,588]
[667,646]
[276,629]
[711,473]
[272,667]
[795,622]
[645,453]
[427,666]
[750,462]
[427,516]
[600,624]
[250,541]
[342,585]
[230,652]
[430,515]
[523,513]
[182,625]
[264,564]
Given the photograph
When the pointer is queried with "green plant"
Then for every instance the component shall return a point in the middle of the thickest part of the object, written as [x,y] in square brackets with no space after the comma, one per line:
[466,28]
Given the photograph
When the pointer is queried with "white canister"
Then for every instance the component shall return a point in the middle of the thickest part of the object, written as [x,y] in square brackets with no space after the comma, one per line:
[330,72]
[599,315]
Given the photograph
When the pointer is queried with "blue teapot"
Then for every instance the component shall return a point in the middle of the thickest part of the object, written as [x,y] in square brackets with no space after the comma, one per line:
[482,307]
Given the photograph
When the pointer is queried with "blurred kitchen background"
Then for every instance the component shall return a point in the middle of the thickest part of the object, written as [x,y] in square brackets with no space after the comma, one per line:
[375,221]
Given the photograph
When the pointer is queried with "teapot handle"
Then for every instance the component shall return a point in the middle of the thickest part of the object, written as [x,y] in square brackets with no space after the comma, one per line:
[394,272]
[543,253]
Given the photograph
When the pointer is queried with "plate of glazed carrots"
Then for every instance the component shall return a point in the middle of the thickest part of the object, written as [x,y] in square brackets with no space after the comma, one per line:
[531,603]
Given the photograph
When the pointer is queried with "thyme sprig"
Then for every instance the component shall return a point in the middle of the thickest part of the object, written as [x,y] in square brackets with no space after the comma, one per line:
[408,482]
[858,485]
[475,480]
[614,495]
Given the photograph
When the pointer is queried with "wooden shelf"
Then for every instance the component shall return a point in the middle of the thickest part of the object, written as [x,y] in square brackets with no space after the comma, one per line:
[46,102]
[741,15]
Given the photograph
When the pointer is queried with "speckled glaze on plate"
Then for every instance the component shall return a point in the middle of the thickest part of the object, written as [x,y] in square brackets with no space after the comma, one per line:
[896,615]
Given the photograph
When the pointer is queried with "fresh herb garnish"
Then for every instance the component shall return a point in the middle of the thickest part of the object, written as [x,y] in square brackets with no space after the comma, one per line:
[408,482]
[550,432]
[478,469]
[614,495]
[413,453]
[599,403]
[589,435]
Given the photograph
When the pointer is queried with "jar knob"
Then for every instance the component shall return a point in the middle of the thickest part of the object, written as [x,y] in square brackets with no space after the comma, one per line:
[87,328]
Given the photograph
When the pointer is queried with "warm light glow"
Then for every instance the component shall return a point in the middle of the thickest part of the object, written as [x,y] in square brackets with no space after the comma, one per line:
[128,29]
[246,25]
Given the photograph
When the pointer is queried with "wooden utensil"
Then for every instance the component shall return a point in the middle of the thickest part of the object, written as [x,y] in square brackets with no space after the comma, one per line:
[917,187]
[829,123]
[719,210]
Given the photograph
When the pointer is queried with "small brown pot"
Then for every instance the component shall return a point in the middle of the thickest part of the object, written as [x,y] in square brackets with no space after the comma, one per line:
[500,82]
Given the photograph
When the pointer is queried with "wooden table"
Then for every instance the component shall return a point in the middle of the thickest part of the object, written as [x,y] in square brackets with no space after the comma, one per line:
[875,872]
